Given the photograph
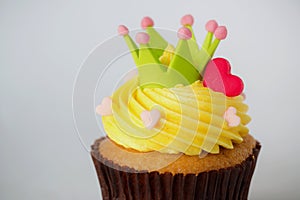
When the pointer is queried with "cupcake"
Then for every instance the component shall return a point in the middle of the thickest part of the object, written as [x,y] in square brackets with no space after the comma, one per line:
[178,129]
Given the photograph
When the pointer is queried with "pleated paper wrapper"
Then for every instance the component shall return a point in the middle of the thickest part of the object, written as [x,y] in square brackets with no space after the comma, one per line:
[118,182]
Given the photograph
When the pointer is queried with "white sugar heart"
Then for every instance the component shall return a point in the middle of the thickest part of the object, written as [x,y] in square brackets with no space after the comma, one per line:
[150,118]
[104,109]
[230,116]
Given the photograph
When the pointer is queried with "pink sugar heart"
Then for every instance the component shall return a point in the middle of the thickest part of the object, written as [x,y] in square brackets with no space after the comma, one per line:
[218,77]
[230,116]
[104,109]
[150,118]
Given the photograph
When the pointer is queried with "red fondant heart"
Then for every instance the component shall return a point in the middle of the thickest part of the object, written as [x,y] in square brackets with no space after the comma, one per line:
[217,77]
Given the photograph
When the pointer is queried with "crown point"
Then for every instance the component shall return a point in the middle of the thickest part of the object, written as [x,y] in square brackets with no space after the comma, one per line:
[221,32]
[211,26]
[142,38]
[147,22]
[187,20]
[184,33]
[123,30]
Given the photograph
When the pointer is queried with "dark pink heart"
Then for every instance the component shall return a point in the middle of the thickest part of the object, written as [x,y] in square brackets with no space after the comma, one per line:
[217,76]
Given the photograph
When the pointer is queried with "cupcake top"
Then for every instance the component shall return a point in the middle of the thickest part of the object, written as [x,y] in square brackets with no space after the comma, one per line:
[182,101]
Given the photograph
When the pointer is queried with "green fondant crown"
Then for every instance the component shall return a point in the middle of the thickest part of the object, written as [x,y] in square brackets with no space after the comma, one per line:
[161,65]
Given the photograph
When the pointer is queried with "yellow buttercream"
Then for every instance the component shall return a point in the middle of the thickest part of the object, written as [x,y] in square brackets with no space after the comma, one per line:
[167,56]
[192,119]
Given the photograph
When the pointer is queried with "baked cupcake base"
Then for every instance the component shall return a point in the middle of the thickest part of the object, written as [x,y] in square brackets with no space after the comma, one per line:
[121,181]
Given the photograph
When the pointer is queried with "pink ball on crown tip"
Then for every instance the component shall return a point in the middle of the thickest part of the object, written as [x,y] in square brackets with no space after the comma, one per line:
[147,22]
[142,38]
[211,26]
[221,33]
[187,20]
[184,33]
[123,30]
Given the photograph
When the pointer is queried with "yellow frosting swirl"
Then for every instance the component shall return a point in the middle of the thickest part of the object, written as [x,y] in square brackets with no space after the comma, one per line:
[192,119]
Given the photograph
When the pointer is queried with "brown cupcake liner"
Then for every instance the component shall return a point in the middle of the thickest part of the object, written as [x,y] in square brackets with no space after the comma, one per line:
[126,183]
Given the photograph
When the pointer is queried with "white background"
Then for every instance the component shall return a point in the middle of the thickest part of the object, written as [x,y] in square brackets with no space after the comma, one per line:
[43,43]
